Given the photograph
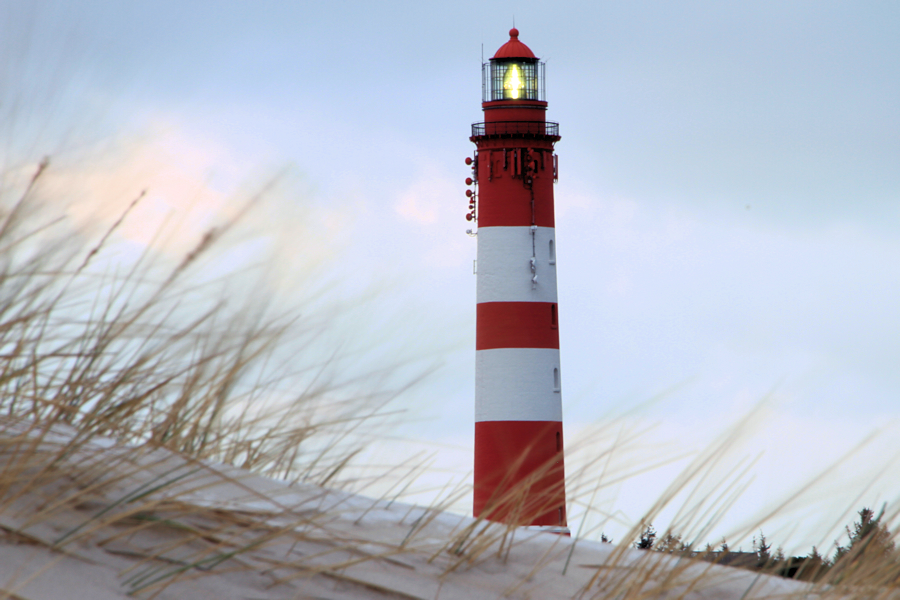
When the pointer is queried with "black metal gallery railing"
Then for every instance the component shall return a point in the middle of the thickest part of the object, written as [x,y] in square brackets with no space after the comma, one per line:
[503,128]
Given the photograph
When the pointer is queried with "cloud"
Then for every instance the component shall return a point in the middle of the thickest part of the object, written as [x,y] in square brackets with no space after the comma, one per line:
[428,197]
[173,170]
[433,209]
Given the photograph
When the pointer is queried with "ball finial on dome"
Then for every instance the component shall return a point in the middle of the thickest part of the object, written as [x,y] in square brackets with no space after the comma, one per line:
[514,48]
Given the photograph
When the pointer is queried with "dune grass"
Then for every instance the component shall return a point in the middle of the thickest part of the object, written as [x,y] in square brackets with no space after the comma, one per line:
[127,391]
[149,356]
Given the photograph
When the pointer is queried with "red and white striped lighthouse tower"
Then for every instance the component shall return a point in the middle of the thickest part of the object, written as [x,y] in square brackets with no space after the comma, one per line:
[519,471]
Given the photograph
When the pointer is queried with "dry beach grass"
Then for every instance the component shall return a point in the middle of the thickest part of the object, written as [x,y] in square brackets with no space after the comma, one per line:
[140,456]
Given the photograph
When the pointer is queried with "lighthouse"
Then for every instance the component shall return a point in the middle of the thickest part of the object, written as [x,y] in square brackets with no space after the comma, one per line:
[519,469]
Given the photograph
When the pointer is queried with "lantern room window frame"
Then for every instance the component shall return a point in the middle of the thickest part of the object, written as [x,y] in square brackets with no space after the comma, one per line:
[494,74]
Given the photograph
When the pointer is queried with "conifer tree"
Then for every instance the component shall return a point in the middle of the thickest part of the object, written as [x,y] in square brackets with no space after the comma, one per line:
[762,547]
[647,539]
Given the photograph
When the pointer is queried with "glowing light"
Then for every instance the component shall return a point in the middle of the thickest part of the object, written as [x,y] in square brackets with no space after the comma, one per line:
[512,83]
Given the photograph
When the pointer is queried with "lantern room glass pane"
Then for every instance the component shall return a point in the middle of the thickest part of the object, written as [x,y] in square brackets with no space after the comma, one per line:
[513,80]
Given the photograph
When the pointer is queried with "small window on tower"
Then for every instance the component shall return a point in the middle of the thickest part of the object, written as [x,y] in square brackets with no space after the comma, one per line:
[553,320]
[555,379]
[552,253]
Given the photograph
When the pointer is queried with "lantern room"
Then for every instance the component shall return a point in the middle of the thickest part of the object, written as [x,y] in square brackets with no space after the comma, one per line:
[514,73]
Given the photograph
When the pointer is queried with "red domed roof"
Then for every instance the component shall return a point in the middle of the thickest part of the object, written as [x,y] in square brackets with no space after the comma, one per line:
[514,48]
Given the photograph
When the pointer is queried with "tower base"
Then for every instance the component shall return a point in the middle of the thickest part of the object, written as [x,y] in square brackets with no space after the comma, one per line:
[519,473]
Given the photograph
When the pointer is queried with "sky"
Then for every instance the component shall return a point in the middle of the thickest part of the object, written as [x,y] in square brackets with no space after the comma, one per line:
[728,212]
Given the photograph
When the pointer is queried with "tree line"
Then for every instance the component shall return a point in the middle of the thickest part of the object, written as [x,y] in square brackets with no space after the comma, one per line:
[870,552]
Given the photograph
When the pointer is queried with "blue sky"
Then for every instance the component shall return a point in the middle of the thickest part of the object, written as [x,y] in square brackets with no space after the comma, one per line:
[728,208]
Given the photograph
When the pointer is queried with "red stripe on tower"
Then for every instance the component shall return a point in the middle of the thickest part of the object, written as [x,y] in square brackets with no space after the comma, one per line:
[519,470]
[516,325]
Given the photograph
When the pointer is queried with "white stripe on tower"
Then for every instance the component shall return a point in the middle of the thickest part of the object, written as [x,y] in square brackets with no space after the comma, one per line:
[517,384]
[504,265]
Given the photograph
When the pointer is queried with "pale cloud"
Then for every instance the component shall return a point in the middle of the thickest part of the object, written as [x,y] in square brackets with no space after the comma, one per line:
[273,234]
[429,197]
[433,208]
[171,169]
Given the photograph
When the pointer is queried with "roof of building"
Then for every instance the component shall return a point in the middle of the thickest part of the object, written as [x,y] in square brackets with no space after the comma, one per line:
[514,48]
